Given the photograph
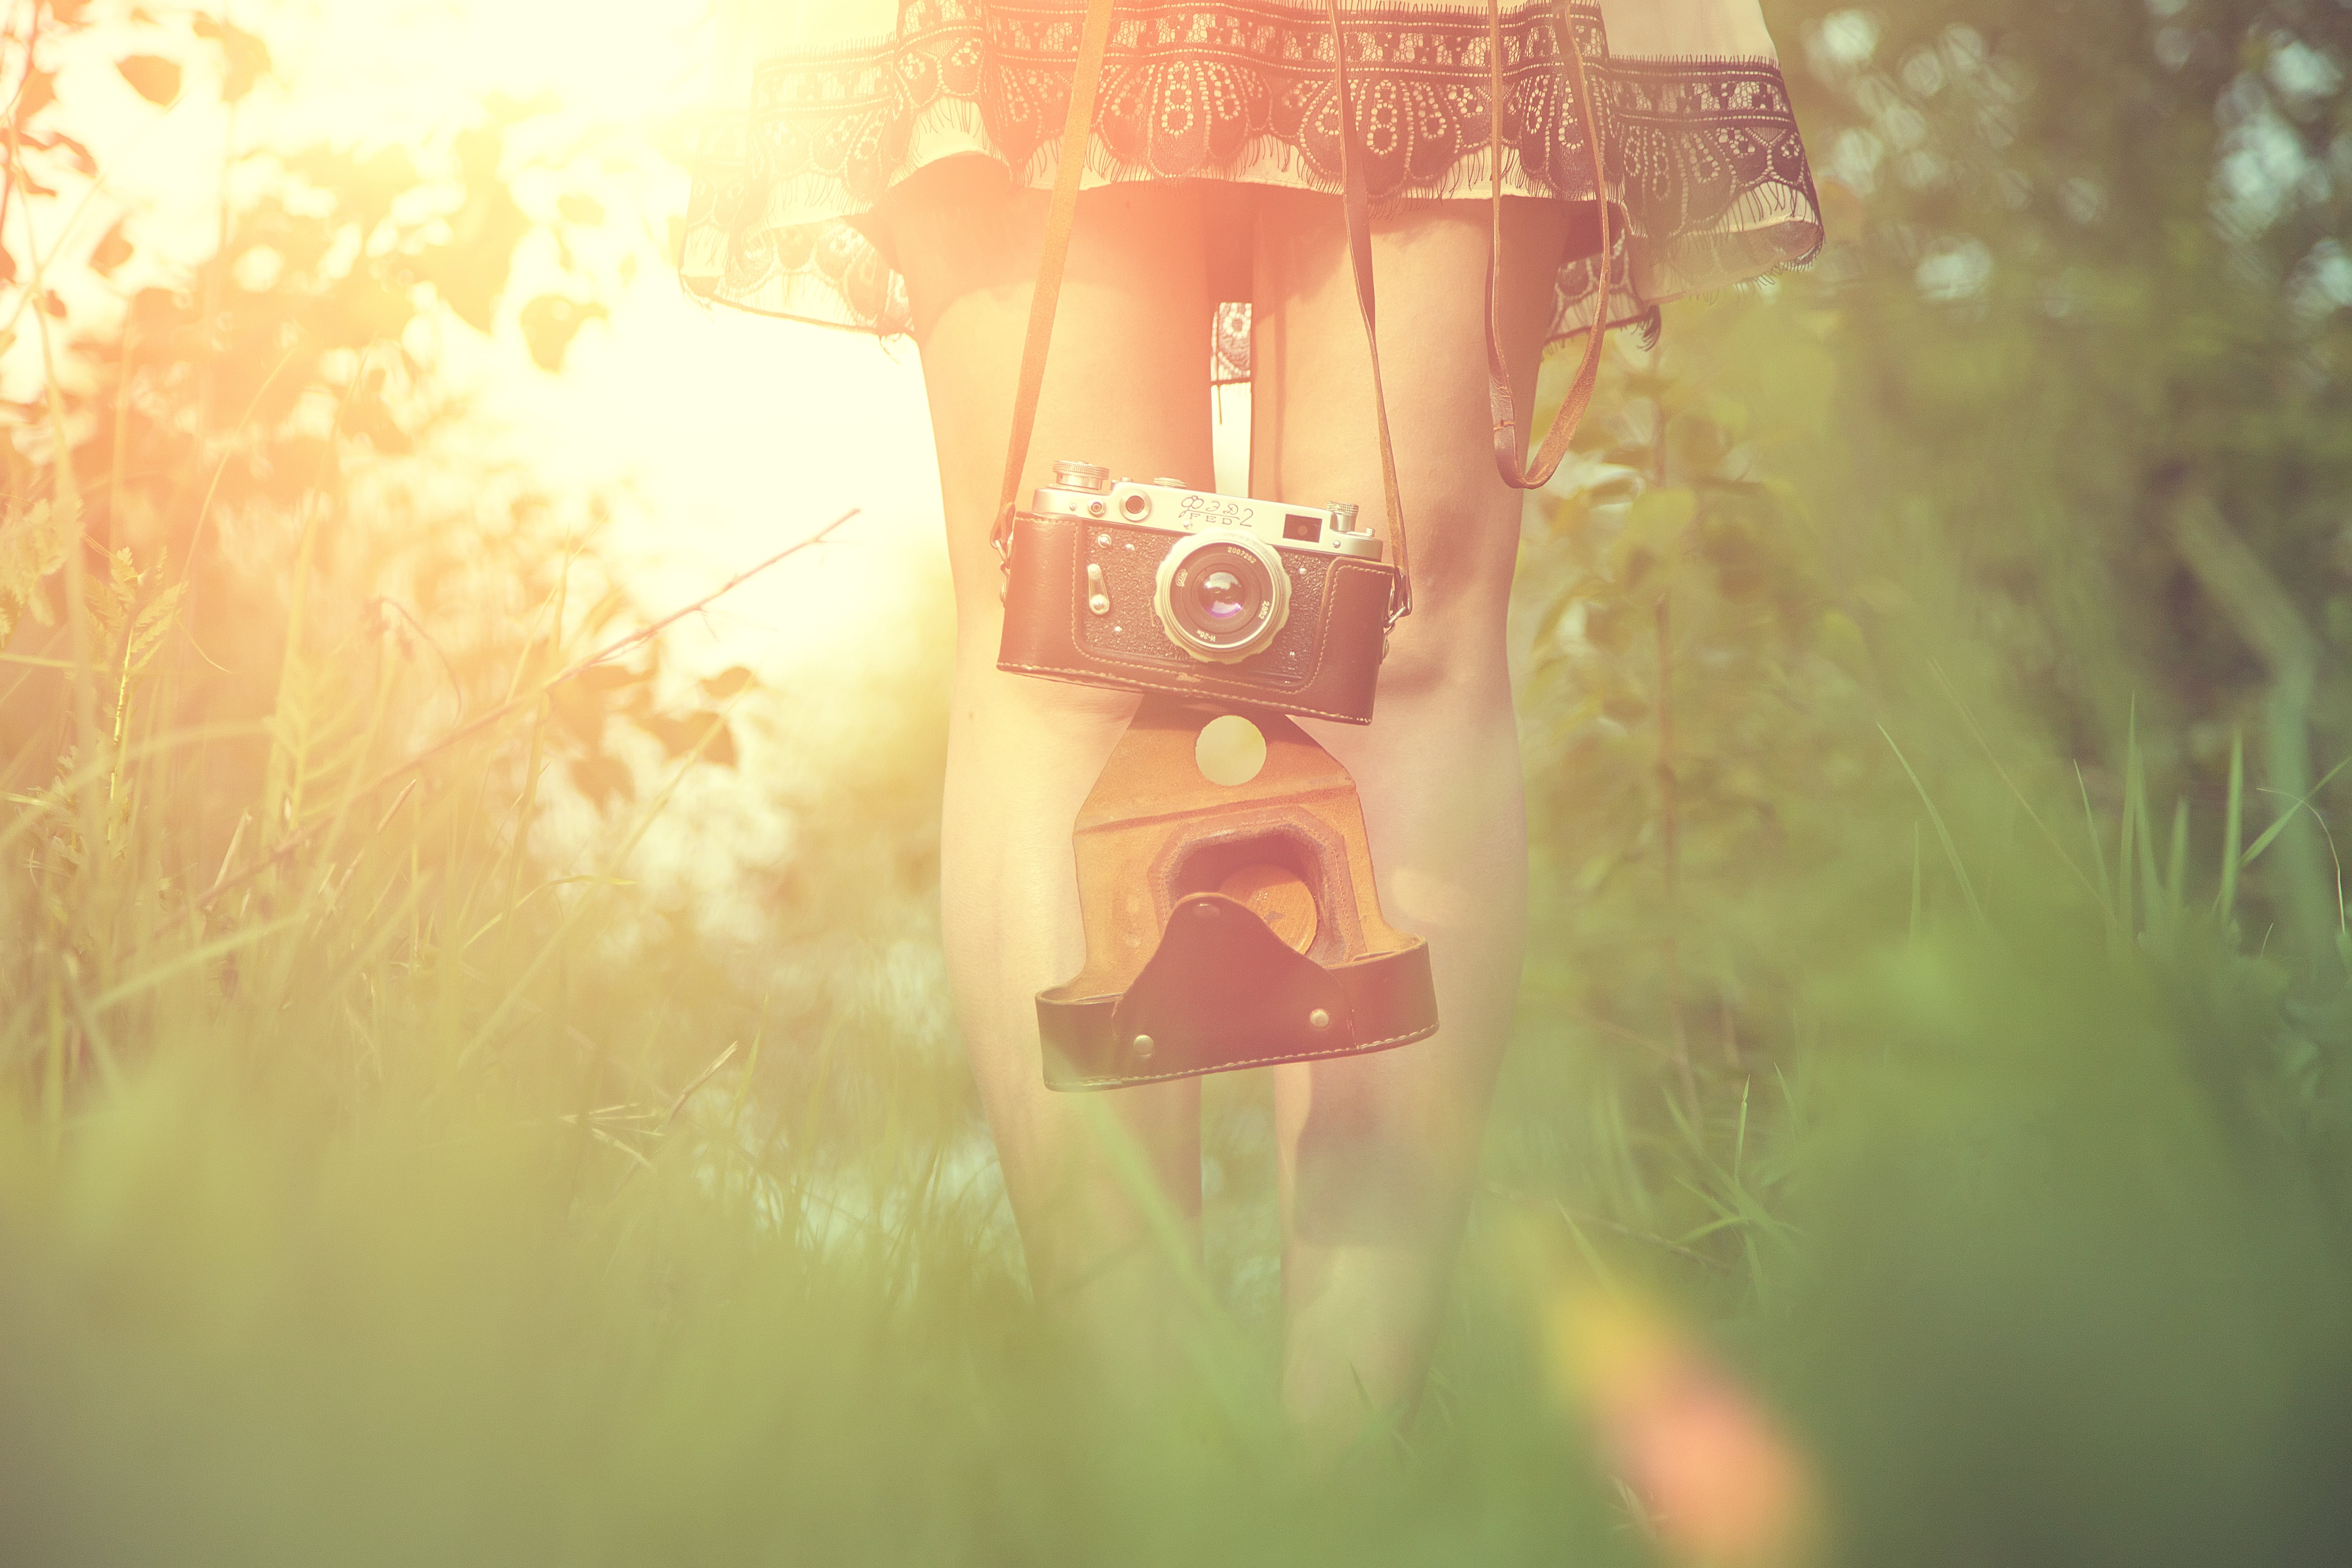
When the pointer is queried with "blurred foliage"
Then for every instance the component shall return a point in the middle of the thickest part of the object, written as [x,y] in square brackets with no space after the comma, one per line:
[1933,1055]
[2039,474]
[267,434]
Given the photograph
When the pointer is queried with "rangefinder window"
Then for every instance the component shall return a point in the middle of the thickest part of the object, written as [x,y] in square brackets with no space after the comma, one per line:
[1307,529]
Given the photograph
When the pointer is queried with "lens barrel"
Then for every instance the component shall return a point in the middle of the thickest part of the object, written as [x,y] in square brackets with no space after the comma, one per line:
[1221,597]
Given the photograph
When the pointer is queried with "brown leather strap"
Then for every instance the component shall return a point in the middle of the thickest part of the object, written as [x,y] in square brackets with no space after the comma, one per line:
[1509,453]
[1357,207]
[1077,131]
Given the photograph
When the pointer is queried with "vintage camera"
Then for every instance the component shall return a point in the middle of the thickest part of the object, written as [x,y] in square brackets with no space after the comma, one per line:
[1155,587]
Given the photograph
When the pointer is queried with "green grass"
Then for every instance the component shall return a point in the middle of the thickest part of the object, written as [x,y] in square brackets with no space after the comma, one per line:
[394,1198]
[390,1172]
[1939,1023]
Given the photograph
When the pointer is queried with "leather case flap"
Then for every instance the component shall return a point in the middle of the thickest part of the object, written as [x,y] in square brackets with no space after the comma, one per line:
[1221,992]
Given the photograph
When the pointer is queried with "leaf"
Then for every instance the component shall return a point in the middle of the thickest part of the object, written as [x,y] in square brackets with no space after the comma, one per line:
[703,728]
[550,323]
[1660,514]
[579,711]
[110,251]
[83,161]
[111,598]
[1625,705]
[365,188]
[33,544]
[1655,524]
[365,416]
[1840,640]
[601,778]
[153,626]
[729,682]
[600,615]
[152,77]
[470,272]
[37,93]
[245,57]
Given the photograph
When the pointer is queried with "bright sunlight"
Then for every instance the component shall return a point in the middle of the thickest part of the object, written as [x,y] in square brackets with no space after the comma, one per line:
[521,1037]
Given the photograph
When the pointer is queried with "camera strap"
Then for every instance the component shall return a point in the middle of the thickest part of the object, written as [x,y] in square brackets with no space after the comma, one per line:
[1078,130]
[1509,452]
[1356,205]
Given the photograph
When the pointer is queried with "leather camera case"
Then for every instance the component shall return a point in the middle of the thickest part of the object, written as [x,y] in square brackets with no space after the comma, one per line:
[1179,877]
[1323,664]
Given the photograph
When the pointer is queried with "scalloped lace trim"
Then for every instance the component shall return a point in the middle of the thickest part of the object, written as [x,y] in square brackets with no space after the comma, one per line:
[1703,155]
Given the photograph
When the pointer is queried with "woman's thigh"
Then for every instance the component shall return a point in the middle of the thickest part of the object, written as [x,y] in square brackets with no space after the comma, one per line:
[1126,382]
[1312,434]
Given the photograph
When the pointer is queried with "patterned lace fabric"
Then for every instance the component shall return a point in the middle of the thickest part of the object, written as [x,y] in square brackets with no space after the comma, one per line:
[1704,162]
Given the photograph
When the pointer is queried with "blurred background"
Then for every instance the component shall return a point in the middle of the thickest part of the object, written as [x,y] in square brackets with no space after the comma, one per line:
[476,1079]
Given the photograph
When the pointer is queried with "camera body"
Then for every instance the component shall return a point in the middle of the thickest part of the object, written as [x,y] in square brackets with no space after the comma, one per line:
[1155,587]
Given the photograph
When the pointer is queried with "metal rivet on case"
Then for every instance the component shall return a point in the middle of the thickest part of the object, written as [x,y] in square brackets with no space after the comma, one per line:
[1319,1019]
[1143,1044]
[1099,603]
[1102,539]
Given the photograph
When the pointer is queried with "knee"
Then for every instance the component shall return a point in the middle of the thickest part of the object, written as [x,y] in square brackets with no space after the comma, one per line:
[1450,653]
[1453,642]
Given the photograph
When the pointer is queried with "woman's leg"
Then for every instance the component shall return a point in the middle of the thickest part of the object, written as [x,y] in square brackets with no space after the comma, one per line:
[1379,1154]
[1126,386]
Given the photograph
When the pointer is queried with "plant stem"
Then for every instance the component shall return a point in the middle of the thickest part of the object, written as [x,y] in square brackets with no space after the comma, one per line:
[1669,824]
[2260,608]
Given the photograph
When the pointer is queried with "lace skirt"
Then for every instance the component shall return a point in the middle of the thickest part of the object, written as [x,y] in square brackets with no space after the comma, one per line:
[828,103]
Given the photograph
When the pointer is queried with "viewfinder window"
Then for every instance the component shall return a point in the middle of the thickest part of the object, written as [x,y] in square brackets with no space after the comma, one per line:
[1304,529]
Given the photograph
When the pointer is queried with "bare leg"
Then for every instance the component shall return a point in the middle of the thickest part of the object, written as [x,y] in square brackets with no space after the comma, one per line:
[1379,1154]
[1101,1184]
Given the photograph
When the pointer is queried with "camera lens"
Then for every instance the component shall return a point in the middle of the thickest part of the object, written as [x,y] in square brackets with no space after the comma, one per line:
[1222,599]
[1218,595]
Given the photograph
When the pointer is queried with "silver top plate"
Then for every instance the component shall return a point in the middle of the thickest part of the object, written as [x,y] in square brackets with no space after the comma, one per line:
[1328,530]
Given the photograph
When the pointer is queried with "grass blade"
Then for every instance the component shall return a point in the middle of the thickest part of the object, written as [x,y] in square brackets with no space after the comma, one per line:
[2232,827]
[1951,850]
